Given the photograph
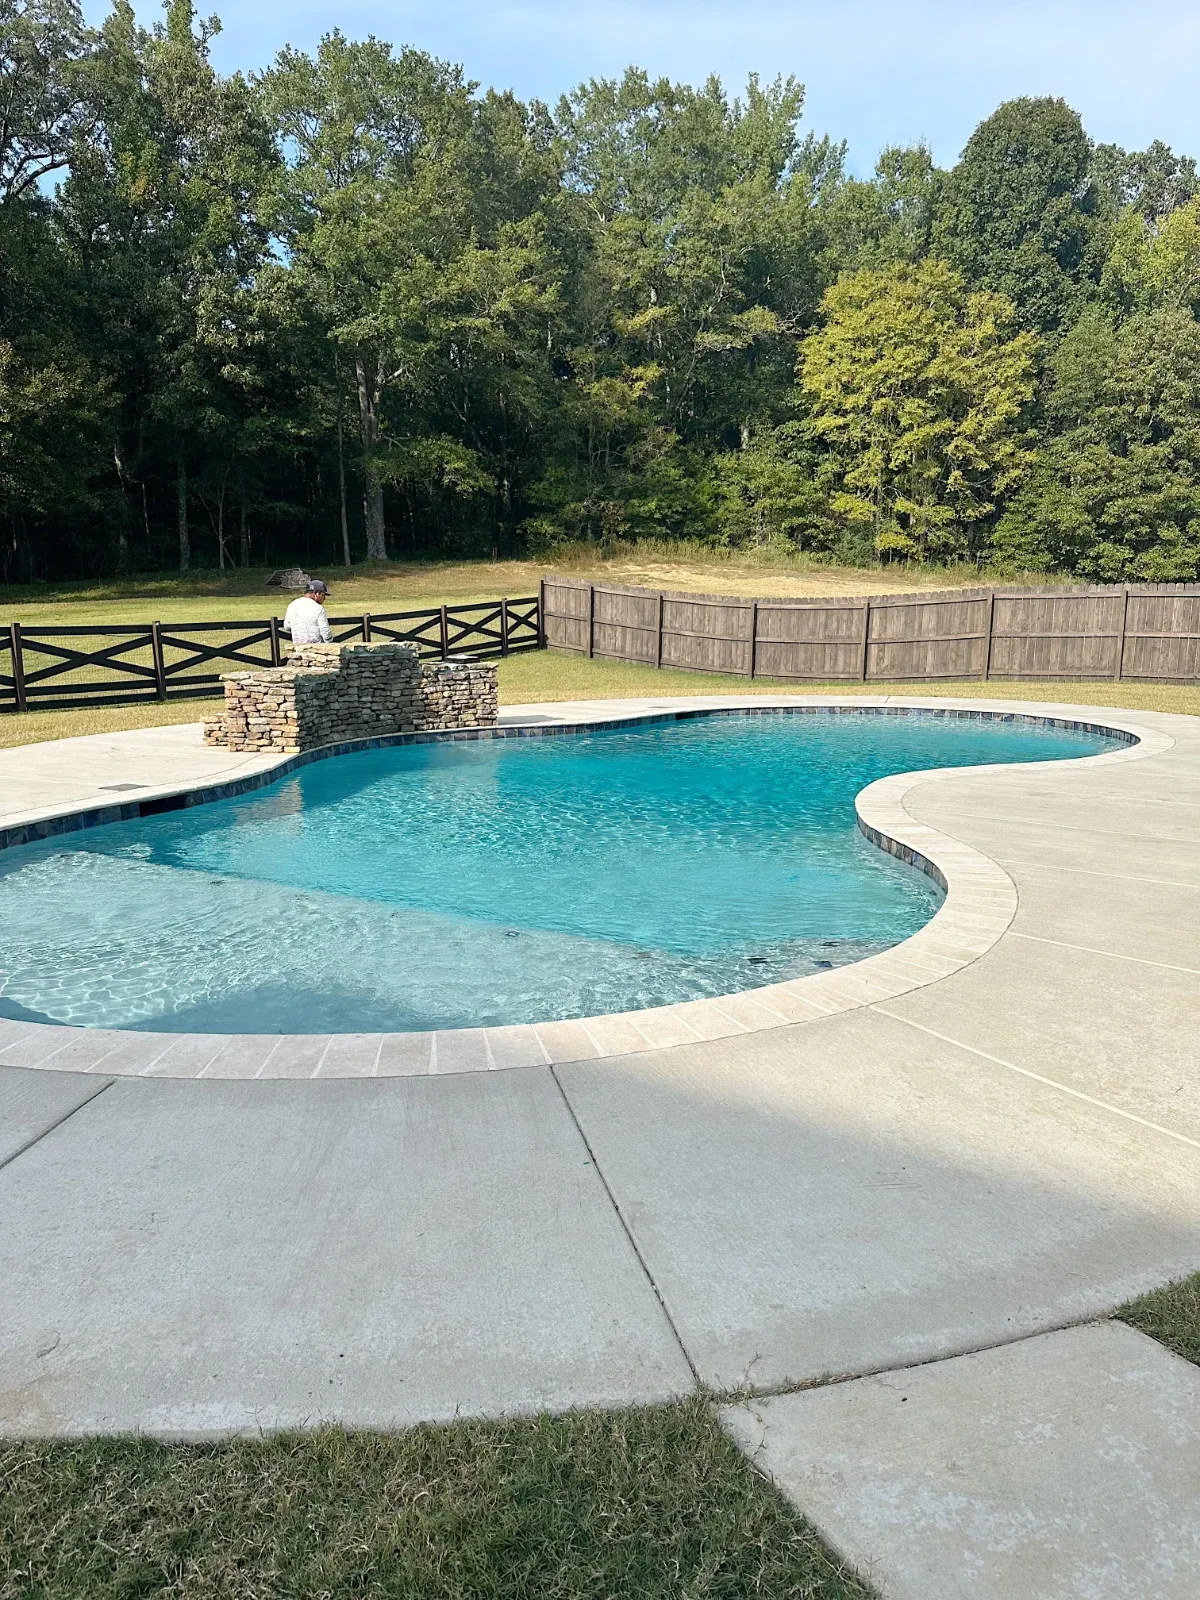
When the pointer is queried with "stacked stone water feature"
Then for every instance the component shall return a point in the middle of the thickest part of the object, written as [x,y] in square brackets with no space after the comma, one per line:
[328,693]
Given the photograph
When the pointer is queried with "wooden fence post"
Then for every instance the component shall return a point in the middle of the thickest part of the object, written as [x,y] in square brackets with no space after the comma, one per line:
[541,614]
[366,627]
[591,618]
[276,653]
[987,654]
[864,641]
[1121,636]
[753,636]
[160,665]
[658,657]
[445,632]
[18,666]
[504,627]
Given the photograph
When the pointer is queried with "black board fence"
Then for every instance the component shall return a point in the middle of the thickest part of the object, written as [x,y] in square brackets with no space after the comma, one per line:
[52,668]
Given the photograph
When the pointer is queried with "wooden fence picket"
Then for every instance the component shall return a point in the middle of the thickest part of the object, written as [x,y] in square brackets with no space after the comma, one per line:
[1148,632]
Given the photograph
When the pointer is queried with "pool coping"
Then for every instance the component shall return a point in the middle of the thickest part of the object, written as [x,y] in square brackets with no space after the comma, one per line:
[980,903]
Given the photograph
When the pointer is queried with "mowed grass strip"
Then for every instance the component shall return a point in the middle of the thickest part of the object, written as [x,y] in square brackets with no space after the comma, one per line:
[544,675]
[240,593]
[636,1505]
[552,675]
[1171,1315]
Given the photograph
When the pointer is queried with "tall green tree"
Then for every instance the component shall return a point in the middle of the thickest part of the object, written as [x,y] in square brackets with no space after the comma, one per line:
[917,384]
[691,273]
[53,403]
[1019,214]
[162,218]
[889,218]
[376,197]
[1155,263]
[1116,494]
[1153,182]
[226,306]
[44,106]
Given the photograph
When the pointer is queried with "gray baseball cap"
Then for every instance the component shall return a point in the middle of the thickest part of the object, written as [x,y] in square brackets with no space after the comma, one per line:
[317,586]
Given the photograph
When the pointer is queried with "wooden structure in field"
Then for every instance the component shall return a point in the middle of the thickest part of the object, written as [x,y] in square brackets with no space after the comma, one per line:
[1149,632]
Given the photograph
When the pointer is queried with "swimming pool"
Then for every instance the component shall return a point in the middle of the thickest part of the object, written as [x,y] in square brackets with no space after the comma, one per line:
[483,882]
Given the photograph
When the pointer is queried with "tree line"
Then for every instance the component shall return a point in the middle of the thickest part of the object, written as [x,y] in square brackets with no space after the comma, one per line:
[354,307]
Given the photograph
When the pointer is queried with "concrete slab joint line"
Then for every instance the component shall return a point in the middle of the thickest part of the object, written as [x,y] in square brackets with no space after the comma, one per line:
[1037,1077]
[629,1234]
[31,1108]
[1065,1467]
[979,908]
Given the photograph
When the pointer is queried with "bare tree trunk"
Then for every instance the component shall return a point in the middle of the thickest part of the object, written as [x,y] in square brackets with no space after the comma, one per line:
[337,384]
[122,536]
[368,411]
[342,490]
[245,532]
[221,528]
[185,549]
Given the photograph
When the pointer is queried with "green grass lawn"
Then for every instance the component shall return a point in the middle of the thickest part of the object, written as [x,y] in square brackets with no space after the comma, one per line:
[544,675]
[208,596]
[1171,1315]
[633,1505]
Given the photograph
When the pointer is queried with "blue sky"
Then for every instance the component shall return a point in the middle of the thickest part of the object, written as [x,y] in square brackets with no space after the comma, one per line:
[876,72]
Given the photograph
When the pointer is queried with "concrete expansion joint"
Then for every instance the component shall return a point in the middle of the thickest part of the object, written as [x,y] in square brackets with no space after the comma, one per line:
[1111,955]
[1038,1077]
[28,1144]
[747,1395]
[628,1231]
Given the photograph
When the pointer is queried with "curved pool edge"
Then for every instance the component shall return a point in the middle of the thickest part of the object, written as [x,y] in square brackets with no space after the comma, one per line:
[981,901]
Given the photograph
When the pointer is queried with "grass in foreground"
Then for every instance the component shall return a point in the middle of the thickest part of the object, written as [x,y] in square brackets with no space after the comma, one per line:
[1171,1315]
[544,675]
[633,1504]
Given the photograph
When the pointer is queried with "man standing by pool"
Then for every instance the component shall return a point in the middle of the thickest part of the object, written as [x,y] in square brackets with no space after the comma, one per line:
[305,618]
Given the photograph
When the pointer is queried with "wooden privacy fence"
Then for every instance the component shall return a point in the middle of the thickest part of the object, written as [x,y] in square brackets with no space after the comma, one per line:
[51,668]
[1144,631]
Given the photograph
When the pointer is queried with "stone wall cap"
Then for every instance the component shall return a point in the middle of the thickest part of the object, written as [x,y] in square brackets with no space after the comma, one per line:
[286,674]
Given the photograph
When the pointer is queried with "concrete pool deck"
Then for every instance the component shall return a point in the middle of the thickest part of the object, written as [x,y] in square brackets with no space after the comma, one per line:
[980,1158]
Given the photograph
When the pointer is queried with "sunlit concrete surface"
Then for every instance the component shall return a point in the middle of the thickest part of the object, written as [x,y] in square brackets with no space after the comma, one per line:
[862,1194]
[59,776]
[973,1153]
[1065,1467]
[195,1259]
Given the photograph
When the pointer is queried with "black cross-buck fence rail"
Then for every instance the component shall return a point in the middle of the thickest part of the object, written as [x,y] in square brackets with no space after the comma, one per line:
[56,668]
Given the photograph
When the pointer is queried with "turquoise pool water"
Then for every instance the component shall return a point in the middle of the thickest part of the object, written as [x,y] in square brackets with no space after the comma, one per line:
[490,881]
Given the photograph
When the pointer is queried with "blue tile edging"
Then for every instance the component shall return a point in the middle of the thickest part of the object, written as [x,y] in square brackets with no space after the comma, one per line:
[130,810]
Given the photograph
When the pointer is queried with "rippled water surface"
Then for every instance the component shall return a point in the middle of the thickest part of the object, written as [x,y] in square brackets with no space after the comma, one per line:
[485,882]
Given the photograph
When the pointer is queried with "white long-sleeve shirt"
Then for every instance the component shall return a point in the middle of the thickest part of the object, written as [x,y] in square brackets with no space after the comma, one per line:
[306,621]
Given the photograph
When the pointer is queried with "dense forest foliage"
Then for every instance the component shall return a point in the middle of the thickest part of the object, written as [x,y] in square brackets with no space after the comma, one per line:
[355,307]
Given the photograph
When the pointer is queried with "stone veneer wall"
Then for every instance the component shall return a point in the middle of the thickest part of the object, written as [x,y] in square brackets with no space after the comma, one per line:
[328,693]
